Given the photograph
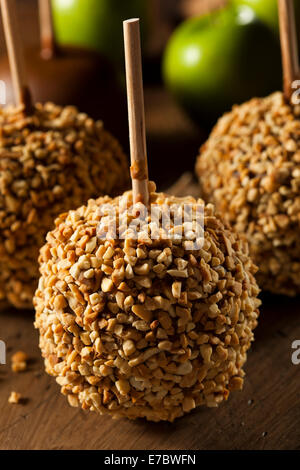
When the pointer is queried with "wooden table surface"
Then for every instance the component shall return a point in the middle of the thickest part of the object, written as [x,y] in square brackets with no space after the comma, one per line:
[265,415]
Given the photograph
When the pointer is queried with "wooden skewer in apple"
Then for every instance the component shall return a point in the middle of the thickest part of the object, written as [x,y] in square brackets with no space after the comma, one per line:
[289,45]
[136,112]
[15,55]
[47,39]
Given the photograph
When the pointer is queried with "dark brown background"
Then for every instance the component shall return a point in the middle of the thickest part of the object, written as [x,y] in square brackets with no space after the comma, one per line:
[266,415]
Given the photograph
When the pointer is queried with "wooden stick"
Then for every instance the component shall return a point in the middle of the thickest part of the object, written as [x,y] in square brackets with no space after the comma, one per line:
[15,54]
[289,45]
[136,112]
[46,30]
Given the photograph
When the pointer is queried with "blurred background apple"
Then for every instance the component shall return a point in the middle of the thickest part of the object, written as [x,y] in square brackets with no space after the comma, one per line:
[216,60]
[96,24]
[265,10]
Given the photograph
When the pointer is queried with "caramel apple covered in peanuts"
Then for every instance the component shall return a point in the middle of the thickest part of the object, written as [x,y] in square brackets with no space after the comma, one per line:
[52,159]
[144,328]
[147,326]
[250,169]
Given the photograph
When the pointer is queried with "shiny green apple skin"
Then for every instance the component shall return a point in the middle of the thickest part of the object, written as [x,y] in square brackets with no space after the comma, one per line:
[217,60]
[96,24]
[265,10]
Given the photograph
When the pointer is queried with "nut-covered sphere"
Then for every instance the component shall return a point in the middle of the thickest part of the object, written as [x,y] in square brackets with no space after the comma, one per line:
[250,169]
[50,161]
[144,328]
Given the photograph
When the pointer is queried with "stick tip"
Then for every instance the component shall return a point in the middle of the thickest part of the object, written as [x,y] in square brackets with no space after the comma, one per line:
[131,21]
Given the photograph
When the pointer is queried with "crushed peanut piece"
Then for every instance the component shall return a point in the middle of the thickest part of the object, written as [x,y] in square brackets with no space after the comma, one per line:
[19,362]
[15,398]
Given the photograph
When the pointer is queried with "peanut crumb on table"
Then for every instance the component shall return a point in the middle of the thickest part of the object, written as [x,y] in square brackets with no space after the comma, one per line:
[15,398]
[19,361]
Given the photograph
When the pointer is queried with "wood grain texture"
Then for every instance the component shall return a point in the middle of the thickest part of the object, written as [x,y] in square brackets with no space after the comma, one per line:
[268,404]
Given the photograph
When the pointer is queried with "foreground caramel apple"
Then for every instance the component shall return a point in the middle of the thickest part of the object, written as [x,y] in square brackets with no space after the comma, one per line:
[143,328]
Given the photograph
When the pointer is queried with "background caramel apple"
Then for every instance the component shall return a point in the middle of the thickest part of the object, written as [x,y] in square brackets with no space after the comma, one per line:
[74,76]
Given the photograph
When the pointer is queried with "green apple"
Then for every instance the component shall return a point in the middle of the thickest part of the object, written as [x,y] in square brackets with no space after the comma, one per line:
[265,10]
[96,24]
[222,58]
